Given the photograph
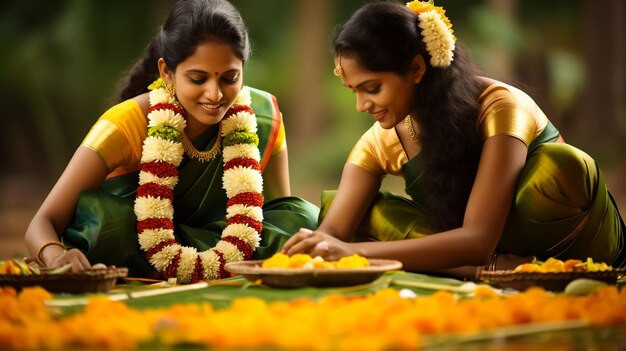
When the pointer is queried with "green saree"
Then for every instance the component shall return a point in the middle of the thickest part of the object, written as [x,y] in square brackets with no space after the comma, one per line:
[561,206]
[561,209]
[104,224]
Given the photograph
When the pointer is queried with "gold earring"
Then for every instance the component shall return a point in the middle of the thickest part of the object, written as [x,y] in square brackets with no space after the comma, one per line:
[338,71]
[169,87]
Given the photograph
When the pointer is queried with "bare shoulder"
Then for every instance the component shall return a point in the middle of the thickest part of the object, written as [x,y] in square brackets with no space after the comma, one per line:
[486,82]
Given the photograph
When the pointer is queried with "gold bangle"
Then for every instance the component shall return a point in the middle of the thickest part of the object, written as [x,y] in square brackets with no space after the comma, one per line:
[44,245]
[478,272]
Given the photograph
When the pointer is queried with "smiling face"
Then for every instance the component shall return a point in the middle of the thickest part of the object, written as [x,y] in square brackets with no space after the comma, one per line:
[206,83]
[387,96]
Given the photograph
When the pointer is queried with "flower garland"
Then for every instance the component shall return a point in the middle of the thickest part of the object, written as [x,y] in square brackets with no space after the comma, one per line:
[242,180]
[436,30]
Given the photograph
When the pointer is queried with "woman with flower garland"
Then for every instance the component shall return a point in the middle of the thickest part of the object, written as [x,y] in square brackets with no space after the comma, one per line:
[180,180]
[491,180]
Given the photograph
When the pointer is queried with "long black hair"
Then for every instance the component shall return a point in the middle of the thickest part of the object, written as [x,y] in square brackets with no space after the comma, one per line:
[385,37]
[190,23]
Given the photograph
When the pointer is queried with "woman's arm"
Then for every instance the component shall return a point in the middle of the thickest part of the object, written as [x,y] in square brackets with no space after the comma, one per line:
[504,261]
[276,176]
[356,192]
[86,170]
[502,160]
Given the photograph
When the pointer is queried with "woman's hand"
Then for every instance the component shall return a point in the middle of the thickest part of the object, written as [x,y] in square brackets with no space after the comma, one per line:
[317,243]
[86,170]
[74,257]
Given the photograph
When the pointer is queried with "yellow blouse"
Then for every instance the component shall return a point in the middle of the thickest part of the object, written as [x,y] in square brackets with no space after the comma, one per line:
[119,133]
[504,110]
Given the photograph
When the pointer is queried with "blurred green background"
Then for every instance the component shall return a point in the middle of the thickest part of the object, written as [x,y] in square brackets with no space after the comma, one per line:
[61,61]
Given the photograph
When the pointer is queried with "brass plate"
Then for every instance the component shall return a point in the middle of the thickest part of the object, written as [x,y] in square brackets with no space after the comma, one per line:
[318,277]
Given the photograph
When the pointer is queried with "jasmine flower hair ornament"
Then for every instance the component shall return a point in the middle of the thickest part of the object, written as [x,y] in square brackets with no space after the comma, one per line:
[436,30]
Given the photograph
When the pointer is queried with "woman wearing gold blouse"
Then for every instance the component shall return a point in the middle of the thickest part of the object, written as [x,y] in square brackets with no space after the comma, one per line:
[491,181]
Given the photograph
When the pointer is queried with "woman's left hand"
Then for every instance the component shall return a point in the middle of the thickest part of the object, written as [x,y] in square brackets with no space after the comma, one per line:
[317,243]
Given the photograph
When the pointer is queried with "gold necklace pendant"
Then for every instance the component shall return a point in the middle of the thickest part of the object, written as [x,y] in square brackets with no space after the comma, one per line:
[202,156]
[409,127]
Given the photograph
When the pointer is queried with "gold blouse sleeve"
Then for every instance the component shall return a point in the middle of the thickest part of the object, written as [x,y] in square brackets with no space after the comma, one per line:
[507,110]
[118,136]
[379,152]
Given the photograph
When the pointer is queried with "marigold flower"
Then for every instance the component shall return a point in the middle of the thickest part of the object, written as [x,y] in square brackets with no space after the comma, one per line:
[278,260]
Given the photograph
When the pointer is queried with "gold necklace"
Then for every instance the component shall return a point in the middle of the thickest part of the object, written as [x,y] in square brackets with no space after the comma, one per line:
[409,127]
[202,156]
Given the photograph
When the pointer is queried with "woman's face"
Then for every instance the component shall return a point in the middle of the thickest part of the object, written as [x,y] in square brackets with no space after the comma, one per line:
[387,96]
[207,83]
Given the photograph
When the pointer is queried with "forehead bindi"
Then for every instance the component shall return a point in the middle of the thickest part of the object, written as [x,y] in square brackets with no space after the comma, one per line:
[351,71]
[346,84]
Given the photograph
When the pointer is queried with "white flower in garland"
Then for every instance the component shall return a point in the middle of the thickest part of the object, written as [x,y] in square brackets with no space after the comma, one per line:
[230,252]
[240,209]
[239,121]
[211,263]
[149,207]
[162,259]
[162,150]
[236,151]
[242,180]
[167,117]
[151,237]
[146,177]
